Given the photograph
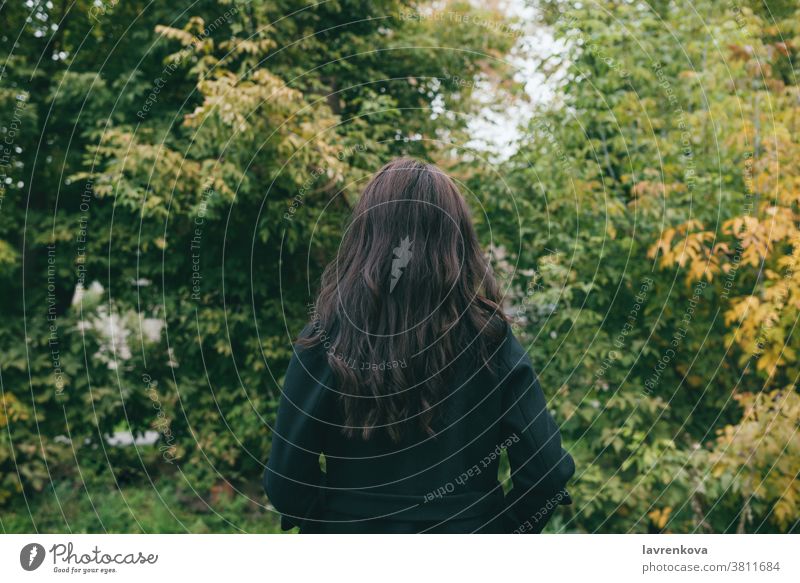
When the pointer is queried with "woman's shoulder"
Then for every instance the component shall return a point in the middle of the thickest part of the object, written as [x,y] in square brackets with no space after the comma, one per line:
[310,342]
[309,358]
[309,380]
[512,354]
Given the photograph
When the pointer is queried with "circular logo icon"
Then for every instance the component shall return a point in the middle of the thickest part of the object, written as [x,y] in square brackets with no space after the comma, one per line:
[31,556]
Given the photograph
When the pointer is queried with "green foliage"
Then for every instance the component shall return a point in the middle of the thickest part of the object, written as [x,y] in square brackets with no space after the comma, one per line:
[97,505]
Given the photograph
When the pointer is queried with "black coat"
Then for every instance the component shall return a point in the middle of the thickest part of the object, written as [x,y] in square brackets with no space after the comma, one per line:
[444,483]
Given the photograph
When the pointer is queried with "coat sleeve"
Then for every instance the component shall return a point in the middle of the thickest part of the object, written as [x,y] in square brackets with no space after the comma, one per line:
[540,467]
[293,479]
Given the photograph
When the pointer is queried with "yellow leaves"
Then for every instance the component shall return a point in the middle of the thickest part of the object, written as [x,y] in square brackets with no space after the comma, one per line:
[183,36]
[738,225]
[8,254]
[648,188]
[254,47]
[660,516]
[11,410]
[786,507]
[772,357]
[757,238]
[695,381]
[239,103]
[649,196]
[688,246]
[664,245]
[764,321]
[591,195]
[753,240]
[762,452]
[782,223]
[758,333]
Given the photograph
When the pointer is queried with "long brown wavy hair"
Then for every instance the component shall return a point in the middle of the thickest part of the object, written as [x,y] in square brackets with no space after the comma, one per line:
[409,292]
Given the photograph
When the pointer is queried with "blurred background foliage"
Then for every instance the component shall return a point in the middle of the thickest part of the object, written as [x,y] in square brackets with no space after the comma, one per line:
[176,175]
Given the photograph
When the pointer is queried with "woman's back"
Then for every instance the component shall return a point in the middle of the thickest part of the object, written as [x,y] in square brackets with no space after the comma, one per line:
[441,483]
[410,383]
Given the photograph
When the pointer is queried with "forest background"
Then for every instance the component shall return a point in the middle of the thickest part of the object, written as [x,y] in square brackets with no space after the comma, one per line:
[175,175]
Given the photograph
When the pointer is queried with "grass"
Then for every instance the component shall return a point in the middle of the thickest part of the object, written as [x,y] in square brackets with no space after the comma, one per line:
[137,508]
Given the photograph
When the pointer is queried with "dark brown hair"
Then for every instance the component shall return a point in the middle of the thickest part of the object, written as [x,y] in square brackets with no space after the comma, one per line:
[409,292]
